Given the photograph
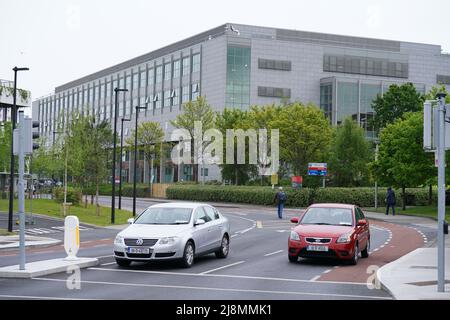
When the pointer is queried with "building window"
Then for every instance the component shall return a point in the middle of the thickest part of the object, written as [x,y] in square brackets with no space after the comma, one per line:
[135,81]
[175,94]
[442,79]
[274,64]
[150,77]
[176,69]
[204,172]
[157,100]
[195,91]
[185,94]
[158,74]
[347,101]
[167,71]
[128,83]
[121,83]
[365,66]
[91,94]
[196,62]
[143,78]
[167,98]
[238,77]
[274,92]
[108,89]
[186,66]
[326,99]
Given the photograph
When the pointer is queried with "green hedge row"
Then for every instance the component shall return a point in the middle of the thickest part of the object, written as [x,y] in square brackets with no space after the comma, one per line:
[363,197]
[142,191]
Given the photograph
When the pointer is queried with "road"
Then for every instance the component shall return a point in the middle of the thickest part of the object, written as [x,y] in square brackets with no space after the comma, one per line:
[257,267]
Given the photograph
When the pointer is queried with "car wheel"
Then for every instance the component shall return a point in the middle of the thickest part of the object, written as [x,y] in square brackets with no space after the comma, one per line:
[293,258]
[123,262]
[365,252]
[354,259]
[188,255]
[224,248]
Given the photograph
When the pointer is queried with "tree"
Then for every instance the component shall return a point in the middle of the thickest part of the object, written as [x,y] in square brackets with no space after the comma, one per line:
[5,150]
[402,162]
[350,155]
[48,162]
[305,135]
[394,103]
[234,119]
[150,135]
[89,146]
[431,95]
[198,110]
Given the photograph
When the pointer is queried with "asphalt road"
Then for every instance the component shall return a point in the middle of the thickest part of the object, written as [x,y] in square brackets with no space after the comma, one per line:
[257,267]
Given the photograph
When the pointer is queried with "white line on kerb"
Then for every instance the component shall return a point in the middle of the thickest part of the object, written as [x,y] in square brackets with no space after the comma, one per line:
[228,265]
[219,289]
[272,253]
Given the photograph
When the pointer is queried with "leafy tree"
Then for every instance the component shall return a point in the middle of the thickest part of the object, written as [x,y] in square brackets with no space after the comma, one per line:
[5,149]
[394,103]
[402,162]
[48,161]
[89,145]
[431,95]
[349,155]
[305,135]
[235,119]
[198,110]
[150,135]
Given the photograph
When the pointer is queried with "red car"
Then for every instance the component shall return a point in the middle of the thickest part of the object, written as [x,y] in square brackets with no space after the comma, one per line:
[330,231]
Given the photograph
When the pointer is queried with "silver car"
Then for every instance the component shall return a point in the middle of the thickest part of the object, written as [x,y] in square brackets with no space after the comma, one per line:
[173,231]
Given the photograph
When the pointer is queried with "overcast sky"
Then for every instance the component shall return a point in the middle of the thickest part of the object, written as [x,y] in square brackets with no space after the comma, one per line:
[63,40]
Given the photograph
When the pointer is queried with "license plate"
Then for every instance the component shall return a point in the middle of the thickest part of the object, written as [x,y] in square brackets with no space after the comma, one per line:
[138,250]
[317,248]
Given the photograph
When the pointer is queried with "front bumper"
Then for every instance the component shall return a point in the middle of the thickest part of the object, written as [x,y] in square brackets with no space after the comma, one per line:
[157,252]
[342,251]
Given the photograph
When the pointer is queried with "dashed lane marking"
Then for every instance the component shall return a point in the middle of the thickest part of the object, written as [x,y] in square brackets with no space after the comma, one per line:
[272,253]
[223,267]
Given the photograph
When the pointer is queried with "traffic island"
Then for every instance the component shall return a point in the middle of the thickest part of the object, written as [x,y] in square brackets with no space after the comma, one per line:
[46,267]
[12,242]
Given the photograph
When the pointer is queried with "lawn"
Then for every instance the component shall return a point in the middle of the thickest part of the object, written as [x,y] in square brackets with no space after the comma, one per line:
[87,215]
[422,211]
[4,232]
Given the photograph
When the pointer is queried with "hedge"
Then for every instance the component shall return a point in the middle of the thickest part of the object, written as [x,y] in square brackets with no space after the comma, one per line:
[142,191]
[363,197]
[73,195]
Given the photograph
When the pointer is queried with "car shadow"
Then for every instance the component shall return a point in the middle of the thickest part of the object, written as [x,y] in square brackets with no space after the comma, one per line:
[170,265]
[323,262]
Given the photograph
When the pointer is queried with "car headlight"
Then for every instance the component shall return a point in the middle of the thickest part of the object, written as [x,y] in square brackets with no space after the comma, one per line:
[168,240]
[294,236]
[345,238]
[118,240]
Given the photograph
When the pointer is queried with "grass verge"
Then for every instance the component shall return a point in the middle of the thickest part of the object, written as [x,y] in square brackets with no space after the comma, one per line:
[87,215]
[420,211]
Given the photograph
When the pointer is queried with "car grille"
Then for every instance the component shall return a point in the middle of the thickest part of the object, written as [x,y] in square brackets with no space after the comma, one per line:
[318,240]
[138,255]
[146,242]
[317,254]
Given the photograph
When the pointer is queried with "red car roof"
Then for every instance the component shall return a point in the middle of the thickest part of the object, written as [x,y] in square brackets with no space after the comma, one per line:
[332,205]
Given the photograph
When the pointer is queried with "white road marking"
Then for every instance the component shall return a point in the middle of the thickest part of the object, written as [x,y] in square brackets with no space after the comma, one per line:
[107,264]
[315,278]
[272,253]
[223,267]
[259,224]
[104,256]
[300,293]
[327,271]
[224,276]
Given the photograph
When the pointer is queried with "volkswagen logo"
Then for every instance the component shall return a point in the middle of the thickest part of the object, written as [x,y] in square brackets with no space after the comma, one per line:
[139,242]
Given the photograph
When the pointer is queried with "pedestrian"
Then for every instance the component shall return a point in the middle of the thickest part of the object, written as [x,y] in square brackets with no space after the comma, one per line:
[280,200]
[390,201]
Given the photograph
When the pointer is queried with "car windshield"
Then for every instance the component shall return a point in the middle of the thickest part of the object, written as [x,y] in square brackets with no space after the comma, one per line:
[165,215]
[328,216]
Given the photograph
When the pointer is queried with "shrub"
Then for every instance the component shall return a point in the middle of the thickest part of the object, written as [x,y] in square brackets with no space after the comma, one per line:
[73,195]
[304,197]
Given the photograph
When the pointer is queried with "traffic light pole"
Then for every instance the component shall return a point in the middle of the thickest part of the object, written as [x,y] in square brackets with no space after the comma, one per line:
[21,189]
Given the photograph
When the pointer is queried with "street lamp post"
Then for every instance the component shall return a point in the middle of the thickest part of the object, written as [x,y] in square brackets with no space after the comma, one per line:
[113,196]
[120,166]
[135,153]
[377,143]
[11,174]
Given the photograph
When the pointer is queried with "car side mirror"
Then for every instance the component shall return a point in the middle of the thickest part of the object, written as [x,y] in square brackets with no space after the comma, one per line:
[362,222]
[199,222]
[130,221]
[294,220]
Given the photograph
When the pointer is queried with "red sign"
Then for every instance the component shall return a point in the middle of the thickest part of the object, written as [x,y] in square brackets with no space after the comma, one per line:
[297,179]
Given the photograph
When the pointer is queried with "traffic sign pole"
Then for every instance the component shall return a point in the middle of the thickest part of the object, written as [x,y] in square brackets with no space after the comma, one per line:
[21,187]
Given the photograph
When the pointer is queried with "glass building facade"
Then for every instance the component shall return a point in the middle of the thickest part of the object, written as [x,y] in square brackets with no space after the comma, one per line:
[238,77]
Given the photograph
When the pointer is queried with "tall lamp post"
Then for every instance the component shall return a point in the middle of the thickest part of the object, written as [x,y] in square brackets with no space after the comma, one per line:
[11,174]
[113,196]
[377,143]
[135,152]
[120,166]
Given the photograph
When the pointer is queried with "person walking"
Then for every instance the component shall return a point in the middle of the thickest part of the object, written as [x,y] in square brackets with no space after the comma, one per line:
[280,200]
[390,201]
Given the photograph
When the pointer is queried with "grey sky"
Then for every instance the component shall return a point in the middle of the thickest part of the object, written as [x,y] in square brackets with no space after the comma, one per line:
[64,40]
